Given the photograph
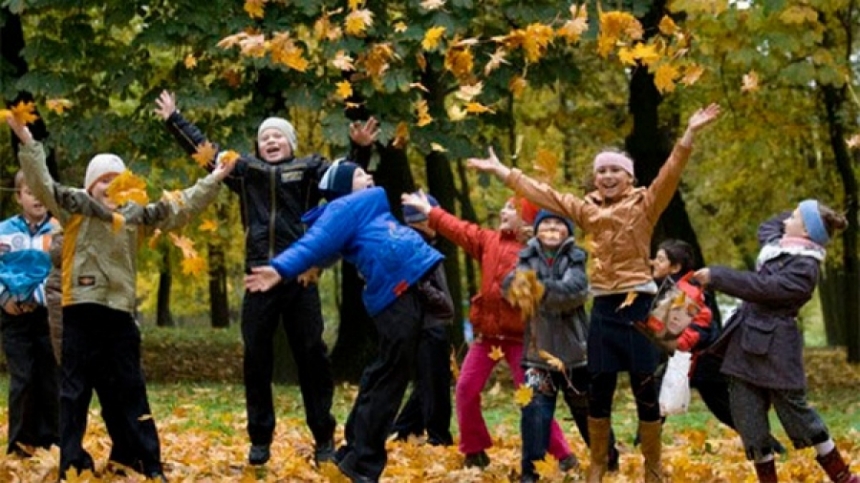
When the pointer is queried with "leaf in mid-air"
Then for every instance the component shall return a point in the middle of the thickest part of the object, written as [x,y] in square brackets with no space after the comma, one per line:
[523,395]
[496,353]
[205,154]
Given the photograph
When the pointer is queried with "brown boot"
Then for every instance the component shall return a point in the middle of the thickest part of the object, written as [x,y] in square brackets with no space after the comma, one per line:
[766,471]
[598,433]
[836,469]
[652,448]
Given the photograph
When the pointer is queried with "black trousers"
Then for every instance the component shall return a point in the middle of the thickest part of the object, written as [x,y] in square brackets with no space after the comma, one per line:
[101,352]
[299,309]
[382,387]
[34,380]
[429,405]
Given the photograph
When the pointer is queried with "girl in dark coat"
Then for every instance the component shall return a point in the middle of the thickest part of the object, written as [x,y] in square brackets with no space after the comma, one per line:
[762,344]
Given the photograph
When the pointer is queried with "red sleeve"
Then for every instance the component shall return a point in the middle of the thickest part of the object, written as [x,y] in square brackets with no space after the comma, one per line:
[693,333]
[466,235]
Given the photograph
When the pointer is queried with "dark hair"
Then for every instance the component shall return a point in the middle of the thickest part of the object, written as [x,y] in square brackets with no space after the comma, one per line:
[833,221]
[680,253]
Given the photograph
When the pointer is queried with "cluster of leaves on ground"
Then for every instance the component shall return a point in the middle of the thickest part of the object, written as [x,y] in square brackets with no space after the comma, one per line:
[203,439]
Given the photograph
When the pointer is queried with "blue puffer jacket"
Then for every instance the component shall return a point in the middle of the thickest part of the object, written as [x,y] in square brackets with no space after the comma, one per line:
[24,261]
[360,228]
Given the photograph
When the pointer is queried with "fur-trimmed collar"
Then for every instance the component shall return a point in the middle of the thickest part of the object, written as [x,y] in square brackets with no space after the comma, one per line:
[774,250]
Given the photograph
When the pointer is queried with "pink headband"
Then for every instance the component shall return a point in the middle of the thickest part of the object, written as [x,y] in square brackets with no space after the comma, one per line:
[609,158]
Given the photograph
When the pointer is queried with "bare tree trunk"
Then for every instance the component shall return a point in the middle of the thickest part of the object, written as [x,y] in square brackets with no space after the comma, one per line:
[163,317]
[219,306]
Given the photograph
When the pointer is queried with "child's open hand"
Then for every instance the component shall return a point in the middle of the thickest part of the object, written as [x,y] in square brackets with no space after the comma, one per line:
[223,167]
[703,117]
[490,164]
[262,279]
[20,130]
[703,276]
[166,103]
[418,201]
[364,134]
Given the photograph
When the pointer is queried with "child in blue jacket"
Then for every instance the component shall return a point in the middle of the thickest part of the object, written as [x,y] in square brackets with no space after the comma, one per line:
[393,259]
[34,381]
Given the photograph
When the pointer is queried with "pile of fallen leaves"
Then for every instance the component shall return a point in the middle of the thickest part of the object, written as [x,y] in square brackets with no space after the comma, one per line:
[203,439]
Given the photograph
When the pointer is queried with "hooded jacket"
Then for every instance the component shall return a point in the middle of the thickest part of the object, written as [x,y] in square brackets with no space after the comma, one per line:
[273,196]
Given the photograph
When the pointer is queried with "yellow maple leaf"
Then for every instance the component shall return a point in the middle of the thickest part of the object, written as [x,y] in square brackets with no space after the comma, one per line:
[193,266]
[456,113]
[190,61]
[573,28]
[438,148]
[615,27]
[547,163]
[750,82]
[343,61]
[185,244]
[284,50]
[430,5]
[344,89]
[626,56]
[354,4]
[423,113]
[153,240]
[209,225]
[548,468]
[459,61]
[667,25]
[664,78]
[376,60]
[255,8]
[496,353]
[58,105]
[477,108]
[24,112]
[692,74]
[470,91]
[628,301]
[432,38]
[117,222]
[205,154]
[552,360]
[127,187]
[854,141]
[228,157]
[646,53]
[358,21]
[325,29]
[523,395]
[400,27]
[497,58]
[401,135]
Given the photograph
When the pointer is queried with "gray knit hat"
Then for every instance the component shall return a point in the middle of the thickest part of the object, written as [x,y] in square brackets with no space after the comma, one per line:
[282,125]
[101,165]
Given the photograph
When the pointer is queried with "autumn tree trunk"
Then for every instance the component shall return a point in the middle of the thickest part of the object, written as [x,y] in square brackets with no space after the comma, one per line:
[163,317]
[219,306]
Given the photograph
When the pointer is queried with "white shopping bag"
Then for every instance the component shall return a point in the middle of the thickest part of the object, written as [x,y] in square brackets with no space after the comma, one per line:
[675,390]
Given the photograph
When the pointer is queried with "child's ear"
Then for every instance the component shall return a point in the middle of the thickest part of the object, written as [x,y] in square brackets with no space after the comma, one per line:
[674,268]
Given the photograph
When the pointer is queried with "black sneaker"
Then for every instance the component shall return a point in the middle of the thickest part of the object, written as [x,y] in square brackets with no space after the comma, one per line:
[612,465]
[259,454]
[325,452]
[479,459]
[157,477]
[569,463]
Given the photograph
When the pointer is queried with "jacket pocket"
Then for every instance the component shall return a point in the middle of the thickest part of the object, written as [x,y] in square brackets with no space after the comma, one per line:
[757,337]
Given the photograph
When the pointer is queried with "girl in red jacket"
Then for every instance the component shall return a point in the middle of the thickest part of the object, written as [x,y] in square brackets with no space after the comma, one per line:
[498,326]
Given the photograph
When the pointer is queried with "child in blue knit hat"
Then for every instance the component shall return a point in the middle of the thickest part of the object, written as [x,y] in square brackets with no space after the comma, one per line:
[555,358]
[394,262]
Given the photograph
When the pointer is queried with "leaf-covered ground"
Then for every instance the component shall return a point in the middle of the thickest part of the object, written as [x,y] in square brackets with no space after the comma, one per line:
[203,438]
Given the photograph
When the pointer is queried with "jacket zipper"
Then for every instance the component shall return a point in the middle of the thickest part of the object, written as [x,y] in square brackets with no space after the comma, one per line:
[273,212]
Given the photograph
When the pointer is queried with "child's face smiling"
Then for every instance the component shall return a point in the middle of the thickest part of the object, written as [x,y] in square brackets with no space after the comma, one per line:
[612,181]
[32,208]
[552,232]
[662,267]
[273,145]
[99,190]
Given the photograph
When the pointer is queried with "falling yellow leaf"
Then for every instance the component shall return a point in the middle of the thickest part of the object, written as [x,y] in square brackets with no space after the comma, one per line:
[438,148]
[285,51]
[547,163]
[117,222]
[432,38]
[496,353]
[664,78]
[552,360]
[205,154]
[497,58]
[468,92]
[646,53]
[344,89]
[255,8]
[228,157]
[153,240]
[325,29]
[456,113]
[401,135]
[573,29]
[209,225]
[750,82]
[358,21]
[400,27]
[185,244]
[628,301]
[193,266]
[58,105]
[523,395]
[354,4]
[667,26]
[525,292]
[477,108]
[343,61]
[127,187]
[430,5]
[423,113]
[517,86]
[692,74]
[548,469]
[190,61]
[854,141]
[615,27]
[376,60]
[459,61]
[24,112]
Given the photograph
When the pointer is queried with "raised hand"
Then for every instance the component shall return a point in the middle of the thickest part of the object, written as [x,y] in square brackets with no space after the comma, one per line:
[418,201]
[703,276]
[364,134]
[490,164]
[166,103]
[223,168]
[262,279]
[703,116]
[20,130]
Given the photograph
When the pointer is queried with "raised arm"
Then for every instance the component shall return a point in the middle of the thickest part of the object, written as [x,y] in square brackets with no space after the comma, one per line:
[186,133]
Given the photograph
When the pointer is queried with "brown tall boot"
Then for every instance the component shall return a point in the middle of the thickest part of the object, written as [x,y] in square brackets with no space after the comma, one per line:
[836,469]
[766,472]
[598,433]
[652,449]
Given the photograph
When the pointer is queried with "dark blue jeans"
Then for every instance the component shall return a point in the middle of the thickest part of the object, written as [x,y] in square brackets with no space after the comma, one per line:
[298,308]
[101,353]
[34,380]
